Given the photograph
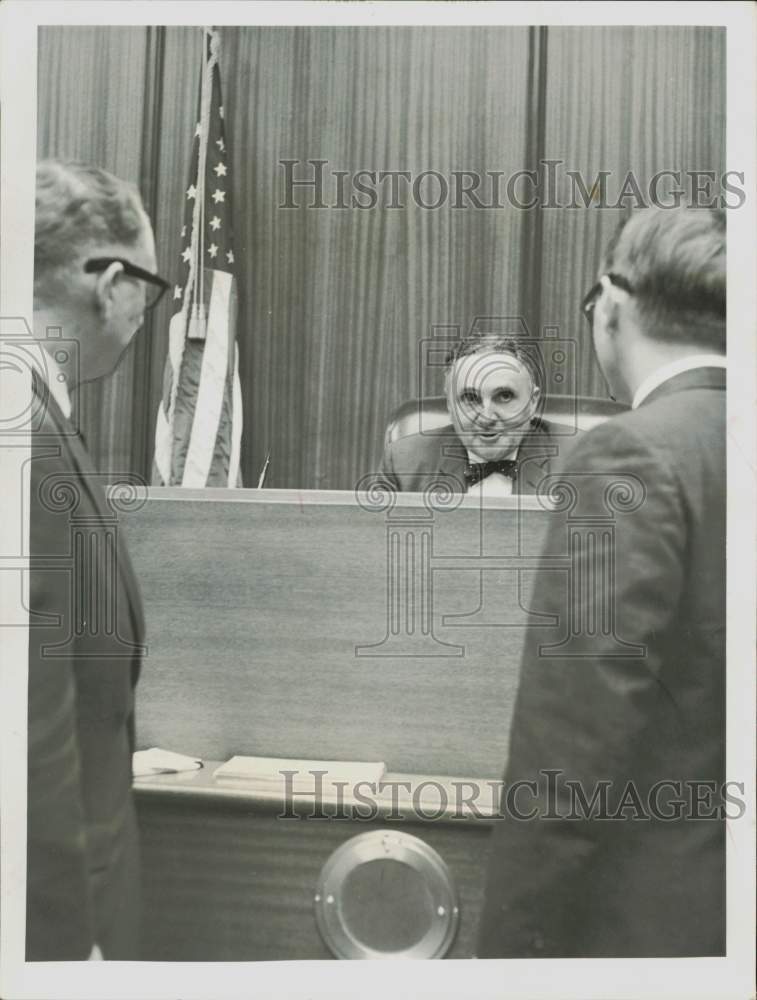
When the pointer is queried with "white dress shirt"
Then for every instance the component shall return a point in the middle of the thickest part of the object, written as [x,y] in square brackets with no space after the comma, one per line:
[673,368]
[56,383]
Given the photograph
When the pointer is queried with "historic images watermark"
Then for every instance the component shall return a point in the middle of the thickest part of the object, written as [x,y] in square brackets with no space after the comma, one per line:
[319,184]
[550,795]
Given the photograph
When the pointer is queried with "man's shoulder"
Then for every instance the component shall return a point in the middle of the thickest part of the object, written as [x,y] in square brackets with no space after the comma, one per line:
[541,428]
[660,439]
[666,420]
[425,443]
[620,445]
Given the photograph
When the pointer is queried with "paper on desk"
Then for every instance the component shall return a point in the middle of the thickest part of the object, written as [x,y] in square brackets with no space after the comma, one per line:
[268,770]
[157,761]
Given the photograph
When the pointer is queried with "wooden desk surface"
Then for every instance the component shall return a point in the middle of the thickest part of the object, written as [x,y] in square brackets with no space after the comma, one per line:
[440,798]
[257,604]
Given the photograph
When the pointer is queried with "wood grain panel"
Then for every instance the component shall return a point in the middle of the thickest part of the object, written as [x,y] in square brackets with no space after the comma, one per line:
[177,114]
[147,368]
[237,884]
[255,609]
[632,99]
[91,95]
[337,299]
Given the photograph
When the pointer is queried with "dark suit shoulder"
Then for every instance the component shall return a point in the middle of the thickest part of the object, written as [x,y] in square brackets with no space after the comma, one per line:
[428,441]
[541,431]
[619,454]
[679,431]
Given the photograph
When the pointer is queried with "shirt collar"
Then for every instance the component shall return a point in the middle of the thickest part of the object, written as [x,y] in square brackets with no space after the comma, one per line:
[668,371]
[55,380]
[475,459]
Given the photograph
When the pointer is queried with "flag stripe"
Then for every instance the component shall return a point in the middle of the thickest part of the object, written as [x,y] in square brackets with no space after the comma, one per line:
[236,423]
[163,447]
[212,387]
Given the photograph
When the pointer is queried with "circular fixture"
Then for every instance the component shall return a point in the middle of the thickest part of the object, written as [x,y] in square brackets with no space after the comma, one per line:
[385,894]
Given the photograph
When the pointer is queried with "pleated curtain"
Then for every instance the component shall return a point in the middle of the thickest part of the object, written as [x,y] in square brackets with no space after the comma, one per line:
[336,304]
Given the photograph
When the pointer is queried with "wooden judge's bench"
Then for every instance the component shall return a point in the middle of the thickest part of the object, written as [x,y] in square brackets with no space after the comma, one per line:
[330,627]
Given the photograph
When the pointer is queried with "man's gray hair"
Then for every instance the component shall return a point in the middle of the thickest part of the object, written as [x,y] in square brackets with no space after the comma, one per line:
[528,354]
[78,207]
[675,261]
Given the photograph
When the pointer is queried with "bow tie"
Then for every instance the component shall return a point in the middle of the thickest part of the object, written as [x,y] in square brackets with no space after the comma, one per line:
[477,471]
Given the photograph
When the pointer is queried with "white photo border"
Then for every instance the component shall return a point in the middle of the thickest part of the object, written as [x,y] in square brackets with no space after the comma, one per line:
[707,977]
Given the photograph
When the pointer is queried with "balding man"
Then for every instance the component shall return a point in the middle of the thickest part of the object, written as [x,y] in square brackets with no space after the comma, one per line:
[495,445]
[94,277]
[614,845]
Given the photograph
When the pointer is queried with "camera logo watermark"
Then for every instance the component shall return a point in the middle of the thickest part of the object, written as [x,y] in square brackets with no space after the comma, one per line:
[36,364]
[74,555]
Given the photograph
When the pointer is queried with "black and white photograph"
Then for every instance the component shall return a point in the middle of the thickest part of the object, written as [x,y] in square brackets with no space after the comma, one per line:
[377,431]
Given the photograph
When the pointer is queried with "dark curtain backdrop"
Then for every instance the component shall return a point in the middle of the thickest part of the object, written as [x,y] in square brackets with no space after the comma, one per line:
[334,303]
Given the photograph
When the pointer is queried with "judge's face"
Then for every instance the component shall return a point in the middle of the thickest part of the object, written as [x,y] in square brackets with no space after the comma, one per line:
[491,399]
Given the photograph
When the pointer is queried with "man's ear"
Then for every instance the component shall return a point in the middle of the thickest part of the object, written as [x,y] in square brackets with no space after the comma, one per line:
[106,288]
[533,403]
[609,306]
[448,389]
[611,315]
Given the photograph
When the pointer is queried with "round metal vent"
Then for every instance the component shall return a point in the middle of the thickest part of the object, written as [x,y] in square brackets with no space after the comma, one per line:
[385,894]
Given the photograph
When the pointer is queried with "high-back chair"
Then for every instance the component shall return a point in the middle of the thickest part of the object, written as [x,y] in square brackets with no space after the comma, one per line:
[579,412]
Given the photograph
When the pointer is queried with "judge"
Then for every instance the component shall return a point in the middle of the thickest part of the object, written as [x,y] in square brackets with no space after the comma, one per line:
[495,444]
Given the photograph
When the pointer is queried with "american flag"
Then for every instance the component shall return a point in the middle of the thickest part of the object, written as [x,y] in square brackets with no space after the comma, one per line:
[199,424]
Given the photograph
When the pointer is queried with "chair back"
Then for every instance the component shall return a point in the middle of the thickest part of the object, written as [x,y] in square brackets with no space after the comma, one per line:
[570,414]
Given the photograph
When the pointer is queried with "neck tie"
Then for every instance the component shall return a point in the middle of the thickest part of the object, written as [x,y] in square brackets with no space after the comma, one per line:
[477,471]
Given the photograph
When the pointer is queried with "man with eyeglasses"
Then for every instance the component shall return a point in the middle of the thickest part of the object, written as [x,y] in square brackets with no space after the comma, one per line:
[618,736]
[94,277]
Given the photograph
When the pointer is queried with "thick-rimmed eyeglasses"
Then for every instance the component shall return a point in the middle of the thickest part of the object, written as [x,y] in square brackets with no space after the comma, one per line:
[155,286]
[590,299]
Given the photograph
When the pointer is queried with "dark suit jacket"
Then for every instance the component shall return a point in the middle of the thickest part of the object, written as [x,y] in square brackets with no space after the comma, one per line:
[639,886]
[413,463]
[84,638]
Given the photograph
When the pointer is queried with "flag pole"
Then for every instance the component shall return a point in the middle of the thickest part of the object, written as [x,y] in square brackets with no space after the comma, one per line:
[264,472]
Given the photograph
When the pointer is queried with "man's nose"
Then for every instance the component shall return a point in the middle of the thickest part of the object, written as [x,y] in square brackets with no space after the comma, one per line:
[488,412]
